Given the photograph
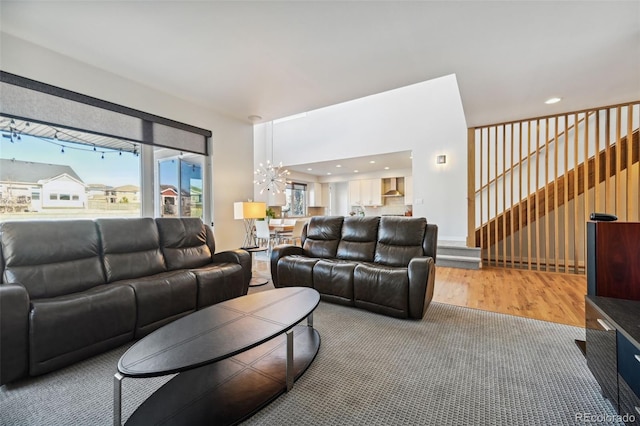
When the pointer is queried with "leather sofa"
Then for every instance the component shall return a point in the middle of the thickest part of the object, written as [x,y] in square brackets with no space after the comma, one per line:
[383,264]
[71,289]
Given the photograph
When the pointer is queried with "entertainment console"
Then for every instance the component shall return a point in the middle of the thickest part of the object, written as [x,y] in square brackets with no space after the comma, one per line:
[612,314]
[613,351]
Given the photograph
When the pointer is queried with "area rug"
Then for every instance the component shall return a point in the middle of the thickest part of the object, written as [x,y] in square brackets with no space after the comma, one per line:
[455,366]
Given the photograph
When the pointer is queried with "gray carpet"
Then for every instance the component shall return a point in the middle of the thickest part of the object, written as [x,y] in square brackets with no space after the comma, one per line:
[456,366]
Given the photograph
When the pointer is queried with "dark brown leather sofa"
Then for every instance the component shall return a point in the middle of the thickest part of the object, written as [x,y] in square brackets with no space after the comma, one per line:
[383,264]
[71,289]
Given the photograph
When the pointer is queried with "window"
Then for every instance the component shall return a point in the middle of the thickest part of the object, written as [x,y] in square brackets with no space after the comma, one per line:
[60,173]
[296,199]
[180,183]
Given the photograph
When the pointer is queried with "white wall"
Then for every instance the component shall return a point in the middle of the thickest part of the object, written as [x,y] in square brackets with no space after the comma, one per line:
[232,139]
[426,118]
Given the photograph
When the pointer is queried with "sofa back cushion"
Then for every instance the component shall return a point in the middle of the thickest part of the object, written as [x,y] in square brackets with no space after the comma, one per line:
[322,236]
[52,258]
[131,248]
[359,236]
[183,242]
[399,240]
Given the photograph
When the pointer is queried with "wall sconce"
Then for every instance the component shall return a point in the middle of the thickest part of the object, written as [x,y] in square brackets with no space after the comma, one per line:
[441,159]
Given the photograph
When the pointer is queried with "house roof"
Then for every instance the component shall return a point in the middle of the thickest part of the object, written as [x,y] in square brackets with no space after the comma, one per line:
[29,172]
[275,59]
[126,188]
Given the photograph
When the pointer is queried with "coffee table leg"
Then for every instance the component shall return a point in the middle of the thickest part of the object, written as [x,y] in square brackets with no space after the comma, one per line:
[289,373]
[117,399]
[310,320]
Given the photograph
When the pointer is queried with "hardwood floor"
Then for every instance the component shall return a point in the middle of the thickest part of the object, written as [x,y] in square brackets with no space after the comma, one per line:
[547,296]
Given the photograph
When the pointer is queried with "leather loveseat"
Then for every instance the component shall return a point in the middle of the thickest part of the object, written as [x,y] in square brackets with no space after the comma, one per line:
[70,289]
[383,264]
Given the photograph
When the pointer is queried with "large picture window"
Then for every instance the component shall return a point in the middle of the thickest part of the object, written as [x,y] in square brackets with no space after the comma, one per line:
[51,172]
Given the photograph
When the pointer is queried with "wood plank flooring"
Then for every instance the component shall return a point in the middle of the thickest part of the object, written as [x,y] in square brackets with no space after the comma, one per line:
[546,296]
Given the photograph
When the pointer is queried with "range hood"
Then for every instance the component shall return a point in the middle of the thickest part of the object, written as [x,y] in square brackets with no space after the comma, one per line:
[393,190]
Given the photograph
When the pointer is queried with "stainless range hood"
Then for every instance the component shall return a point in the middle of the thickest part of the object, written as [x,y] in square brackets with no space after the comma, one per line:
[393,190]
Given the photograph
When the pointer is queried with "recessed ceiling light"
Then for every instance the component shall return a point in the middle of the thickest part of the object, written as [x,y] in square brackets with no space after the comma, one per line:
[309,168]
[355,171]
[328,173]
[386,168]
[372,162]
[552,101]
[338,165]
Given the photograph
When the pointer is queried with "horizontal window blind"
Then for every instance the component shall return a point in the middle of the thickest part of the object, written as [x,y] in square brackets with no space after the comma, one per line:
[32,100]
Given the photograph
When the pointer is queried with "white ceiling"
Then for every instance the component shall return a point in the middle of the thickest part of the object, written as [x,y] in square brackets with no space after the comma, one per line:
[275,59]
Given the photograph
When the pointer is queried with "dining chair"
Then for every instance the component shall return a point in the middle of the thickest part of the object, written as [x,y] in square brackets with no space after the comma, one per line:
[295,236]
[263,236]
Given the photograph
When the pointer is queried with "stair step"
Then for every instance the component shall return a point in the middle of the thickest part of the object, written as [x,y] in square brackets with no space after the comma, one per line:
[462,262]
[450,250]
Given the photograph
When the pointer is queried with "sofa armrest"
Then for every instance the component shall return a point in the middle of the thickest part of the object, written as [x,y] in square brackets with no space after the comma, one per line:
[422,273]
[279,252]
[239,256]
[14,332]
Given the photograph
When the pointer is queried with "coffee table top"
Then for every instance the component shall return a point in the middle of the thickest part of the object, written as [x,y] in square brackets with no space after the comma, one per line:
[218,332]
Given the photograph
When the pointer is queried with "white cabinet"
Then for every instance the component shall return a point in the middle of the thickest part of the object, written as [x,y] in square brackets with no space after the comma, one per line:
[365,192]
[408,190]
[315,195]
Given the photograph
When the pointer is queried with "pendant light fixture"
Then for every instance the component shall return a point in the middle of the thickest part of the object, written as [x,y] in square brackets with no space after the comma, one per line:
[270,177]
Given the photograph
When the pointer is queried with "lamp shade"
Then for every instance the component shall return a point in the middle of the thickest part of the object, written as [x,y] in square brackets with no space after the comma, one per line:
[249,210]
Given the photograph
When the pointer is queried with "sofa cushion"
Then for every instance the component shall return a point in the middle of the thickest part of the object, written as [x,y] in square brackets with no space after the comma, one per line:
[183,242]
[382,289]
[296,271]
[399,240]
[131,248]
[218,282]
[162,298]
[358,241]
[322,236]
[334,280]
[52,258]
[69,328]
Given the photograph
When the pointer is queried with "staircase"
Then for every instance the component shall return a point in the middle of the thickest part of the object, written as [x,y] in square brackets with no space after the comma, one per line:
[454,254]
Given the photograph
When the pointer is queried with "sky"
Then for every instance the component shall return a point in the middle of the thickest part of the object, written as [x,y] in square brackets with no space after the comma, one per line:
[112,170]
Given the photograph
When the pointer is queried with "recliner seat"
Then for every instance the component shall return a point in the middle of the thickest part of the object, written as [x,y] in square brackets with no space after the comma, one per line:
[71,289]
[382,264]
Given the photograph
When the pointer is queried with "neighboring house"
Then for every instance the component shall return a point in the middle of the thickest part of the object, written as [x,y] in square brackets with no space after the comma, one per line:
[125,194]
[25,185]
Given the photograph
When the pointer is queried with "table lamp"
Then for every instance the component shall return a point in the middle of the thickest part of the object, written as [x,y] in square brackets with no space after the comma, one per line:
[249,211]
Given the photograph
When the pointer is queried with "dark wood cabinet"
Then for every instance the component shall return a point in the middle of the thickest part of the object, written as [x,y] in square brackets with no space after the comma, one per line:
[613,259]
[601,352]
[613,351]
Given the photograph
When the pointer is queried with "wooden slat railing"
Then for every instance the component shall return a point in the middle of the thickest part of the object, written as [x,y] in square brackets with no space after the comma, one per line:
[536,184]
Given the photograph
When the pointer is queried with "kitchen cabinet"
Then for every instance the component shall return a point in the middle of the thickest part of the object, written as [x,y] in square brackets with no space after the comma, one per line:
[365,192]
[315,195]
[408,190]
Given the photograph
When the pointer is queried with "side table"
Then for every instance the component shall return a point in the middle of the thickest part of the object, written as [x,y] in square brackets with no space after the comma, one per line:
[255,281]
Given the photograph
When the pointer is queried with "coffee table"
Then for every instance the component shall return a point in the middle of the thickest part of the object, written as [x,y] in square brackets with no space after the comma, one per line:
[233,358]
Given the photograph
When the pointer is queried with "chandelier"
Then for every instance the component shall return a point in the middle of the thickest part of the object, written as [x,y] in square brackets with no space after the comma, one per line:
[270,177]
